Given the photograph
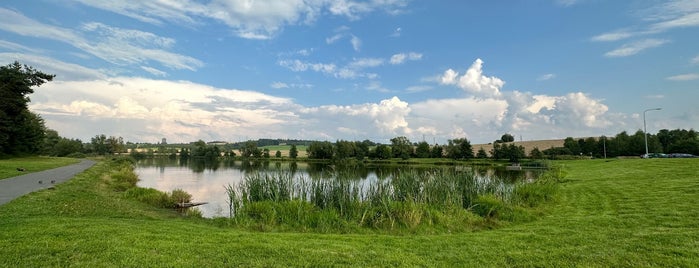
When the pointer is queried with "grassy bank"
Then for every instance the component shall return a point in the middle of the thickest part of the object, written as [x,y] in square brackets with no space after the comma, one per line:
[19,166]
[622,213]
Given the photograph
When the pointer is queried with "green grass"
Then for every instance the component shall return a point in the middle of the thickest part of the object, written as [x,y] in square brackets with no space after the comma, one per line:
[273,148]
[617,213]
[8,167]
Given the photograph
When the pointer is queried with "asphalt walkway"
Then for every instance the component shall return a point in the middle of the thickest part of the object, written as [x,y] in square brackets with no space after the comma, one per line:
[14,187]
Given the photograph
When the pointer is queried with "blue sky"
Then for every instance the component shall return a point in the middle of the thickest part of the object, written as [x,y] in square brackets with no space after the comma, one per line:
[355,70]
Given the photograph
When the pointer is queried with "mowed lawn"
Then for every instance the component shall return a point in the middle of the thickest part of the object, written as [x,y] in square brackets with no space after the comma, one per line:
[614,213]
[20,166]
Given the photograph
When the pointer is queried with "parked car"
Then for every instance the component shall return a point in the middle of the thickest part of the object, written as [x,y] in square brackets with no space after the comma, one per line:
[654,155]
[677,155]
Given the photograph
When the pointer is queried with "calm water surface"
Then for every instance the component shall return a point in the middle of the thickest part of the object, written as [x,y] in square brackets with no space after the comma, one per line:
[206,181]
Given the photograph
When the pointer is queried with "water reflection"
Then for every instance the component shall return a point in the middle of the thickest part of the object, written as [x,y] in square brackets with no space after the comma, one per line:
[206,180]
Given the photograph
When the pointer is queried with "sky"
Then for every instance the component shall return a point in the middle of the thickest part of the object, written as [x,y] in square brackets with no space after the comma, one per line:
[236,70]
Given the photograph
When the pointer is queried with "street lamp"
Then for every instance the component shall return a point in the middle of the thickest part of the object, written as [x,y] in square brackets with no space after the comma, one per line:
[645,133]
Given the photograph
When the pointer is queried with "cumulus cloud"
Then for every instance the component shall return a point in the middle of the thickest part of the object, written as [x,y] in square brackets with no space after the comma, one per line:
[143,109]
[473,81]
[388,117]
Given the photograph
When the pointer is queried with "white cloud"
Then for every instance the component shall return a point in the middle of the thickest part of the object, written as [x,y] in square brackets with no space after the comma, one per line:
[17,47]
[396,32]
[688,20]
[353,69]
[612,36]
[149,109]
[333,38]
[473,80]
[115,45]
[250,19]
[415,89]
[546,77]
[388,116]
[156,108]
[279,85]
[154,71]
[695,60]
[400,58]
[356,43]
[62,70]
[684,77]
[567,3]
[365,63]
[635,47]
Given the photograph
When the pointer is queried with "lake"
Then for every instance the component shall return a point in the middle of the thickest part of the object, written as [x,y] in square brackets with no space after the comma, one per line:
[206,181]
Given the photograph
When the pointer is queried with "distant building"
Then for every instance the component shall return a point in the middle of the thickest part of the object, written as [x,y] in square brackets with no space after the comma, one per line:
[164,141]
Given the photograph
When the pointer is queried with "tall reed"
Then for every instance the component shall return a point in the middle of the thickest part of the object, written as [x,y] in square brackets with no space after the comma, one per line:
[408,198]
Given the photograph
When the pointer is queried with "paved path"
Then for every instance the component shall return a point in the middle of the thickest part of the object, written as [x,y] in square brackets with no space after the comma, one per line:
[14,187]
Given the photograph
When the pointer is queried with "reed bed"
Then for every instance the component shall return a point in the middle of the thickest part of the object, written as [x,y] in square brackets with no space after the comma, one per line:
[409,199]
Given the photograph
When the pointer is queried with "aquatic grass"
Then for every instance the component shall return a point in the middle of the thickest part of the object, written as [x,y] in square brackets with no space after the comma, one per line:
[408,199]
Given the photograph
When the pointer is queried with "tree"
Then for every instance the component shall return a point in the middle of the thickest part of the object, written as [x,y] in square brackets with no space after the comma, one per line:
[401,147]
[536,153]
[320,150]
[437,151]
[21,131]
[99,144]
[293,152]
[481,153]
[507,138]
[572,145]
[278,154]
[344,149]
[362,149]
[382,152]
[459,149]
[422,150]
[250,150]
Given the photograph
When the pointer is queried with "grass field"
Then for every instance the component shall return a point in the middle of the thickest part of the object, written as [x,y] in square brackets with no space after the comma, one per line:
[614,213]
[8,167]
[284,149]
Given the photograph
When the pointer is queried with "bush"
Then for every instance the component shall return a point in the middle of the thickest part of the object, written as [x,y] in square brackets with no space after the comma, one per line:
[180,196]
[123,179]
[489,206]
[150,196]
[76,155]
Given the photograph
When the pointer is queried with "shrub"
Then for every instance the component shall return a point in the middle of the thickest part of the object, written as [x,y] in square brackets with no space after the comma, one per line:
[180,196]
[150,196]
[489,206]
[123,179]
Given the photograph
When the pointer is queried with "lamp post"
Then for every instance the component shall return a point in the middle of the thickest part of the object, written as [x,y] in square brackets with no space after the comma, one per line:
[645,133]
